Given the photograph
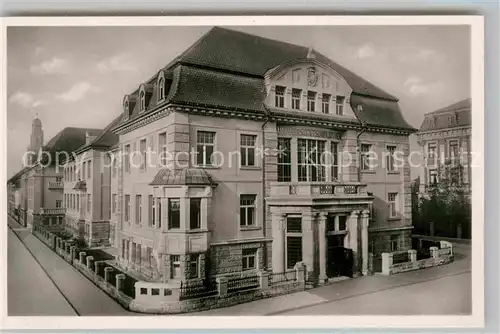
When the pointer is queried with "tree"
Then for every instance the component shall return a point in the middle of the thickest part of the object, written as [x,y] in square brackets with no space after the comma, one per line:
[446,203]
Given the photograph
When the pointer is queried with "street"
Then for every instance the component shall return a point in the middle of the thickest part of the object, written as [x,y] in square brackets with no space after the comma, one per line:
[41,283]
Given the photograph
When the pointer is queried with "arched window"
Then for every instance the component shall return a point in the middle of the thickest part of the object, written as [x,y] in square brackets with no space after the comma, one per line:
[161,89]
[142,99]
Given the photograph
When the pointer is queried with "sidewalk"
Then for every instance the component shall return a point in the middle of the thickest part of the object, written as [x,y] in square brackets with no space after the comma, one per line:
[83,295]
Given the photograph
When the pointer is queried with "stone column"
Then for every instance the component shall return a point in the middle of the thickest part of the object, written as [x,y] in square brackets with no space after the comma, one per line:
[107,274]
[120,278]
[365,215]
[264,280]
[278,250]
[308,242]
[412,255]
[222,285]
[322,246]
[82,256]
[353,239]
[90,262]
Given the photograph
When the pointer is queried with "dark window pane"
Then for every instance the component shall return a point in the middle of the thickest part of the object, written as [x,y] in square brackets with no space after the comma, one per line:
[294,251]
[294,224]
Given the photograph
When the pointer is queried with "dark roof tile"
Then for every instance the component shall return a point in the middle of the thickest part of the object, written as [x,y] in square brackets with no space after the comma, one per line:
[184,177]
[455,115]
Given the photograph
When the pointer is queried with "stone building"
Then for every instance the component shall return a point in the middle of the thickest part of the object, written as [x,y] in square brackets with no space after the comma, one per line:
[221,169]
[87,192]
[39,184]
[445,138]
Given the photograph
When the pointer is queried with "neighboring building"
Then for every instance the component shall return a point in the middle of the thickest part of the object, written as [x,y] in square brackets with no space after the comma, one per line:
[36,142]
[445,138]
[87,192]
[40,183]
[280,106]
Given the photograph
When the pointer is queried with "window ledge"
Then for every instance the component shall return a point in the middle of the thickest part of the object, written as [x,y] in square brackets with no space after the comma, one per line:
[393,172]
[250,168]
[368,171]
[250,228]
[208,166]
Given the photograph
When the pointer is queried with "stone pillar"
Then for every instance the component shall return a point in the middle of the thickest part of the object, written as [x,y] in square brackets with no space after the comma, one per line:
[386,263]
[204,213]
[120,278]
[264,280]
[322,246]
[412,255]
[353,239]
[222,285]
[278,250]
[90,262]
[300,269]
[98,265]
[107,274]
[364,240]
[434,252]
[72,253]
[308,242]
[82,256]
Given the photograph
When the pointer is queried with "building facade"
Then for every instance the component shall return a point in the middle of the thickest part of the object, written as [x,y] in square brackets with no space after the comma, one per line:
[87,189]
[445,138]
[259,158]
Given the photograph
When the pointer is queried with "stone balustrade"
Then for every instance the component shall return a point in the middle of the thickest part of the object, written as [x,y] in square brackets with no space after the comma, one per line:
[317,189]
[57,211]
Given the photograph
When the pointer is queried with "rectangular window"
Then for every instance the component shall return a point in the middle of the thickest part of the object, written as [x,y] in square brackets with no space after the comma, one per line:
[391,162]
[174,213]
[138,209]
[194,213]
[366,156]
[339,102]
[247,210]
[113,203]
[58,203]
[205,145]
[392,198]
[325,103]
[77,201]
[249,259]
[126,158]
[342,223]
[311,161]
[158,211]
[127,208]
[89,167]
[142,148]
[175,262]
[89,203]
[138,254]
[296,98]
[58,179]
[453,149]
[394,243]
[162,146]
[433,176]
[293,241]
[151,214]
[284,160]
[193,266]
[279,97]
[247,150]
[335,161]
[311,101]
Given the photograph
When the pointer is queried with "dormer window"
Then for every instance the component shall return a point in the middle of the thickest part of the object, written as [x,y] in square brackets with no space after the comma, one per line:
[142,100]
[126,108]
[340,105]
[279,98]
[161,89]
[296,98]
[311,101]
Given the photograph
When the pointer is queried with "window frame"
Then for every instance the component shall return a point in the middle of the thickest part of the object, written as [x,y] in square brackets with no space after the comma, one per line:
[335,163]
[162,148]
[296,99]
[138,209]
[245,150]
[284,165]
[170,201]
[393,204]
[325,103]
[315,171]
[311,100]
[391,160]
[126,213]
[248,208]
[366,165]
[143,148]
[175,262]
[293,234]
[339,106]
[206,161]
[247,254]
[197,224]
[279,99]
[196,262]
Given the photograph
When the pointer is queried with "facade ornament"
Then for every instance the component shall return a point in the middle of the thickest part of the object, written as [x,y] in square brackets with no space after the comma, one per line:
[311,54]
[312,76]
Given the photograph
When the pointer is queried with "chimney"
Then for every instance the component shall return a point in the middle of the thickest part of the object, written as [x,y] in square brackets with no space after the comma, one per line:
[89,138]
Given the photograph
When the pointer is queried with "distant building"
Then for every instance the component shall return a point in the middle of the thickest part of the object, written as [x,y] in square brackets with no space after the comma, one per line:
[445,138]
[239,93]
[87,188]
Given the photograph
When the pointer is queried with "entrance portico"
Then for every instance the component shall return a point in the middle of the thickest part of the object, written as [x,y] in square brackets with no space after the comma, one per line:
[317,238]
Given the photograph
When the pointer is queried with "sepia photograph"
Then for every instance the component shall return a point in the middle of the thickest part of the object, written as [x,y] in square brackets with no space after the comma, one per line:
[271,169]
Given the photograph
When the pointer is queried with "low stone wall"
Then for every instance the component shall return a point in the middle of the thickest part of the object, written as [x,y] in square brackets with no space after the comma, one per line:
[439,256]
[166,301]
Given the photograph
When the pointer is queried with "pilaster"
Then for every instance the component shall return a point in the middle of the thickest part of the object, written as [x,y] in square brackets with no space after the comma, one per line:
[353,238]
[365,215]
[278,244]
[322,246]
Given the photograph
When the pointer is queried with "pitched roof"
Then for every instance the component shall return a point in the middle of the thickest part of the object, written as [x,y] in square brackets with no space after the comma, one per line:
[106,138]
[244,53]
[454,115]
[224,62]
[189,176]
[68,140]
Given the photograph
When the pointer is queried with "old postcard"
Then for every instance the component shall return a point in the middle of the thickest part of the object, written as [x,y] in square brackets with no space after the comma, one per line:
[253,168]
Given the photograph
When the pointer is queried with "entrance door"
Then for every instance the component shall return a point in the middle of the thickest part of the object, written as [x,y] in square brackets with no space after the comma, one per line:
[339,258]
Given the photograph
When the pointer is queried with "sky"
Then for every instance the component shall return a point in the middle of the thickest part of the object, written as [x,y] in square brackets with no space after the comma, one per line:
[78,76]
